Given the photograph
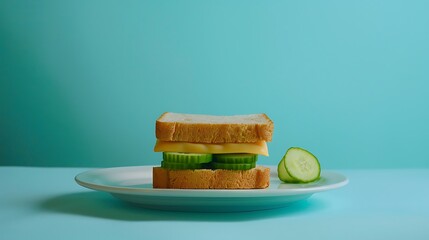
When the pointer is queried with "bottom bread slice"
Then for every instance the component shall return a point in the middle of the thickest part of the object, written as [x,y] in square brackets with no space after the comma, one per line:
[258,177]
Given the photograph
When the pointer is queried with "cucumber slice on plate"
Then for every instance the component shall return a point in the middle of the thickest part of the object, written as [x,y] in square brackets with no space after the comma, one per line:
[298,165]
[283,174]
[176,157]
[235,158]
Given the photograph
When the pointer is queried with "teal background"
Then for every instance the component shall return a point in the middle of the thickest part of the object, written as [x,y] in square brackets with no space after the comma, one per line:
[82,82]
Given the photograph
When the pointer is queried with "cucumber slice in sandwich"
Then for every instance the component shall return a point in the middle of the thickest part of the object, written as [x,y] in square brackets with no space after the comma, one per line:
[235,158]
[176,157]
[182,166]
[233,166]
[298,166]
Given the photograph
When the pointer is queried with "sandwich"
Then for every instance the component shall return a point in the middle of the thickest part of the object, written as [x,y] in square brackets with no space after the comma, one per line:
[212,152]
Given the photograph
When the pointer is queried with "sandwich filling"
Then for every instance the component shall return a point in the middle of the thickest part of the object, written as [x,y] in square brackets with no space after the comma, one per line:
[259,147]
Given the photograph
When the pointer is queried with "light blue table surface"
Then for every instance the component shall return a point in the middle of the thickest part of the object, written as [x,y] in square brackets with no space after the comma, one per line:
[46,203]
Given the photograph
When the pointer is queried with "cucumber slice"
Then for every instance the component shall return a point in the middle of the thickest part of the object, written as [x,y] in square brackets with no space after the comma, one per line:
[282,173]
[233,166]
[182,166]
[235,158]
[299,165]
[176,157]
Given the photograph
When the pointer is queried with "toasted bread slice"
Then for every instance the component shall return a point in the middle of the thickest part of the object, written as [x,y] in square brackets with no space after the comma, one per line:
[255,178]
[197,128]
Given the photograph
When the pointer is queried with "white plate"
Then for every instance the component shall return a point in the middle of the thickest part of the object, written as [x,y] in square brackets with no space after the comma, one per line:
[134,184]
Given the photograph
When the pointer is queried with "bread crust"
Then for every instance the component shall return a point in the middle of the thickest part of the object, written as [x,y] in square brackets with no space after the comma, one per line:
[195,132]
[256,178]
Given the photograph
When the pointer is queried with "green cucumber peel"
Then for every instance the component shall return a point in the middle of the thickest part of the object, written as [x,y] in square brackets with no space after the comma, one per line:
[233,166]
[183,166]
[235,158]
[191,158]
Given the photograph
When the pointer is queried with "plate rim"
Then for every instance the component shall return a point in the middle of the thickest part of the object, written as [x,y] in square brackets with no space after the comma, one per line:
[222,193]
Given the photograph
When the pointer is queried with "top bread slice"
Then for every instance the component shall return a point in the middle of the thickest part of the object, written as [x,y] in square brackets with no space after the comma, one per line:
[196,128]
